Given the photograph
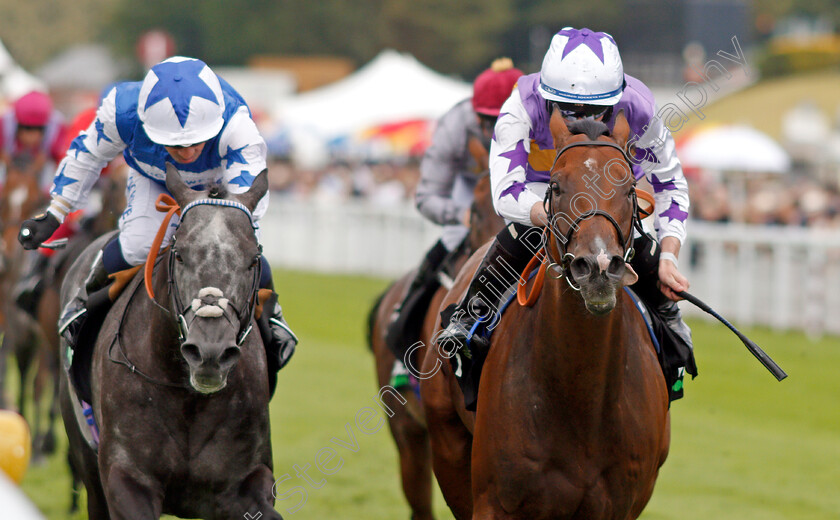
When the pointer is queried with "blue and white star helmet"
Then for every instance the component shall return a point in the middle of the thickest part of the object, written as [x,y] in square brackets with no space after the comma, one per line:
[181,102]
[582,66]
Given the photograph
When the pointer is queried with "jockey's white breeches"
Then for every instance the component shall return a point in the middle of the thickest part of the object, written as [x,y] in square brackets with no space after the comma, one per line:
[140,221]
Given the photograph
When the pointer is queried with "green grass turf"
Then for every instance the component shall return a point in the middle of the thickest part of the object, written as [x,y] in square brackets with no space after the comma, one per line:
[743,445]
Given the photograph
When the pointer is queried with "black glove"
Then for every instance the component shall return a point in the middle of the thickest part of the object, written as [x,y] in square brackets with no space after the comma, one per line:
[35,231]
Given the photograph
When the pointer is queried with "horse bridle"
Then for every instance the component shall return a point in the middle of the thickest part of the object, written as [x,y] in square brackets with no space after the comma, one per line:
[243,316]
[626,241]
[177,305]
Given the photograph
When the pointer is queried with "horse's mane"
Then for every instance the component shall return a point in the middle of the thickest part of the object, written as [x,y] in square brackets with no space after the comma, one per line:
[593,129]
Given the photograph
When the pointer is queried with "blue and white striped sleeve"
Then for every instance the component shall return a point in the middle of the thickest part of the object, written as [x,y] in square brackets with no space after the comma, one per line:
[243,152]
[89,152]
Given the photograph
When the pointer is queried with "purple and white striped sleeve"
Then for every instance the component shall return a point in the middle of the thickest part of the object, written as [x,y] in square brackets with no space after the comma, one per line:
[666,177]
[509,150]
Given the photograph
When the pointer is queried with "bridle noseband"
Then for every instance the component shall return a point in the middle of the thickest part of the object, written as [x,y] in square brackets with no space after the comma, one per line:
[562,246]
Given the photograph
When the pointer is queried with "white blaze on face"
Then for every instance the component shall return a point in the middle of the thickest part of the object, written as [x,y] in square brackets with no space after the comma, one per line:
[210,303]
[592,165]
[603,260]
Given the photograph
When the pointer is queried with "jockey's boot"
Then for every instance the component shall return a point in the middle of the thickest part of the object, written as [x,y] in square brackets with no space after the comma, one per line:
[278,339]
[400,376]
[670,312]
[426,274]
[93,295]
[495,280]
[29,289]
[404,325]
[493,283]
[646,264]
[677,356]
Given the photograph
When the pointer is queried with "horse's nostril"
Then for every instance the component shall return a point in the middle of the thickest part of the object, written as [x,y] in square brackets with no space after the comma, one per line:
[191,353]
[616,267]
[581,267]
[229,356]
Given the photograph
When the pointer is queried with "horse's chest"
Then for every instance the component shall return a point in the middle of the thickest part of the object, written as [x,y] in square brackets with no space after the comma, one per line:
[579,475]
[200,444]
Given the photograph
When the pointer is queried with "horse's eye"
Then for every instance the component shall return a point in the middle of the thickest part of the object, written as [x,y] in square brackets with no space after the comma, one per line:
[555,188]
[178,257]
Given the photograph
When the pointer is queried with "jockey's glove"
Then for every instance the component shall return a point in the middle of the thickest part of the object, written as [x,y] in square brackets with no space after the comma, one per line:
[34,231]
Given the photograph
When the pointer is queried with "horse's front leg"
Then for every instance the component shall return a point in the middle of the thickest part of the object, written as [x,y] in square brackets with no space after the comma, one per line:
[129,498]
[254,498]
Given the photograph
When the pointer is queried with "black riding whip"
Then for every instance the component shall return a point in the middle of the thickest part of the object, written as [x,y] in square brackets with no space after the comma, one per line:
[55,244]
[756,351]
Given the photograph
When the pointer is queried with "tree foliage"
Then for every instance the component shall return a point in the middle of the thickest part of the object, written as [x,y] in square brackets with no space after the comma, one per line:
[459,37]
[34,31]
[456,37]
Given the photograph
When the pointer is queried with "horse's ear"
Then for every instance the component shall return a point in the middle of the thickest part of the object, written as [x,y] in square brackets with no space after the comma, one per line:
[621,129]
[559,130]
[176,186]
[256,192]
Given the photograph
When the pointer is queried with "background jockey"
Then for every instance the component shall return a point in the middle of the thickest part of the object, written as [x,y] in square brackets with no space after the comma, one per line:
[30,287]
[582,77]
[32,142]
[181,114]
[449,172]
[31,137]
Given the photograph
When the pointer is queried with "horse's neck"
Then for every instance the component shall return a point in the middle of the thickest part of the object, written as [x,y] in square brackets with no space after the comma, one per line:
[575,350]
[164,360]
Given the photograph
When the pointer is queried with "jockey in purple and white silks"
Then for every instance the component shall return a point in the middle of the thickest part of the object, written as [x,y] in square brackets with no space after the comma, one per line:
[522,152]
[180,114]
[582,76]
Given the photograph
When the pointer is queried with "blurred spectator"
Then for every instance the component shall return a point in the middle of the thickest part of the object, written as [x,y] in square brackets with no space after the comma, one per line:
[792,200]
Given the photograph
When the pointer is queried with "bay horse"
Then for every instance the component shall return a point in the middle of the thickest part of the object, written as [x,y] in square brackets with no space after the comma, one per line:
[407,424]
[20,198]
[112,190]
[179,385]
[572,415]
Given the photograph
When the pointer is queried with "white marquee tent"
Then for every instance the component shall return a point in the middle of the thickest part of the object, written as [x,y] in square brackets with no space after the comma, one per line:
[728,148]
[392,87]
[14,80]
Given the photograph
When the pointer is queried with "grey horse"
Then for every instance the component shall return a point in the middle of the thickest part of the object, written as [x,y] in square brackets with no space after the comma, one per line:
[179,387]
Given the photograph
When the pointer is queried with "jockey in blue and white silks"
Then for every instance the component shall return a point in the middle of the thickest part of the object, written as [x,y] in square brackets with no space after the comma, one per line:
[233,155]
[180,114]
[582,77]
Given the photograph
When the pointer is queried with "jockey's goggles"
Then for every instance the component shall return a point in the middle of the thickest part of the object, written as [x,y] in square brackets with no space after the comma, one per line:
[580,111]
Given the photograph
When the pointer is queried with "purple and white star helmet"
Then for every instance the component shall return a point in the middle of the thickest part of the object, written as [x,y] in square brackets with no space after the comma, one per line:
[181,102]
[582,66]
